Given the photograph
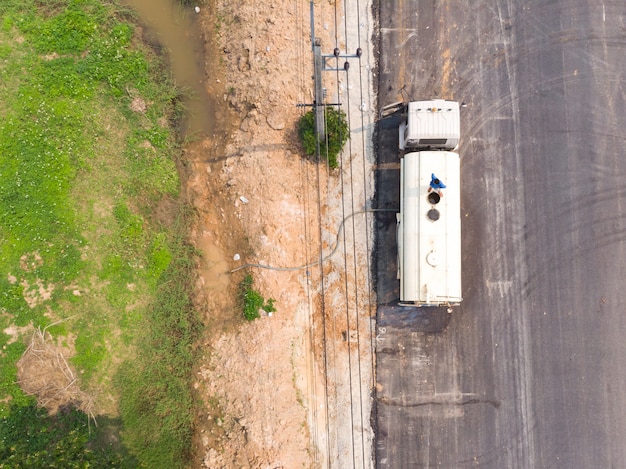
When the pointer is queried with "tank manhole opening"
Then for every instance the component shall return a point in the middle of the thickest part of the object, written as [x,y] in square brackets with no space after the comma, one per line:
[434,198]
[433,214]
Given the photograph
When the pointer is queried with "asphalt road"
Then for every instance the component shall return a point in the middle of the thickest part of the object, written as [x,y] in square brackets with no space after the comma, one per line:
[530,371]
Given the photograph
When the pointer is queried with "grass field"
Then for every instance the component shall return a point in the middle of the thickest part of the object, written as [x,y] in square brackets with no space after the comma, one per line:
[87,152]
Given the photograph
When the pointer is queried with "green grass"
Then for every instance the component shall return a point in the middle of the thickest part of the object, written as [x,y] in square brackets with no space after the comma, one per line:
[31,438]
[80,175]
[157,408]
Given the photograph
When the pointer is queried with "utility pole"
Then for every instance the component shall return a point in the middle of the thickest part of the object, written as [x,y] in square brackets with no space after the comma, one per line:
[318,102]
[321,64]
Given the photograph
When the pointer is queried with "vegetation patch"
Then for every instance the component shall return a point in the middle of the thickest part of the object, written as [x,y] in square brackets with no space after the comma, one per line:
[157,405]
[337,133]
[32,438]
[87,151]
[251,300]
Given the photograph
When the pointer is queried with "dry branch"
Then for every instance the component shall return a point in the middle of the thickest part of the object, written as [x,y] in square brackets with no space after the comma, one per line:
[44,372]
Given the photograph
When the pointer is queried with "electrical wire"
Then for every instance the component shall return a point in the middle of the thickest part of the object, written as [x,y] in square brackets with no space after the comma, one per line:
[311,363]
[367,243]
[348,199]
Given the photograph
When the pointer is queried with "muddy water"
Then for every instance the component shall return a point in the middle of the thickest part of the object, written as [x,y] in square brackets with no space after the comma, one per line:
[176,29]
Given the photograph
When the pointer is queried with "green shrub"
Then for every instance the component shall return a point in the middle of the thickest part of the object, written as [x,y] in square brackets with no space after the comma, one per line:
[337,132]
[252,301]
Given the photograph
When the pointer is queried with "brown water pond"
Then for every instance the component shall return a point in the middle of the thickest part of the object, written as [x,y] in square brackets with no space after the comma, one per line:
[176,29]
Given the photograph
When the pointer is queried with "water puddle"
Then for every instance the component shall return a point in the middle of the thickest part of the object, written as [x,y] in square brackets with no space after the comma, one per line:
[175,27]
[215,271]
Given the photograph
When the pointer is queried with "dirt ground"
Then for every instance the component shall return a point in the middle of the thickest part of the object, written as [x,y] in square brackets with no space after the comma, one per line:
[263,384]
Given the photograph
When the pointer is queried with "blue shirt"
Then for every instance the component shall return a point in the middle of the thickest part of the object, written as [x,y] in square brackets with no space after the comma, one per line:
[436,183]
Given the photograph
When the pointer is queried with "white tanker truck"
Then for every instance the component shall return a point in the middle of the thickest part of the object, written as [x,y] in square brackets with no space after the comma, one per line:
[429,222]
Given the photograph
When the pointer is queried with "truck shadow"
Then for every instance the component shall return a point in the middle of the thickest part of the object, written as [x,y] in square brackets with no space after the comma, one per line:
[425,319]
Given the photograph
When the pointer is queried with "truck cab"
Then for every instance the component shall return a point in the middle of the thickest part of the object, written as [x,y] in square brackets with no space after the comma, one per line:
[433,124]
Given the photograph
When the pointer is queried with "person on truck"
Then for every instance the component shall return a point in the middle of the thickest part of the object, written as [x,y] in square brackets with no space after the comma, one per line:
[436,185]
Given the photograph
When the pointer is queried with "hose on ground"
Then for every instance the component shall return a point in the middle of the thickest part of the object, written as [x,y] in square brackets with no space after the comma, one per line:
[325,258]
